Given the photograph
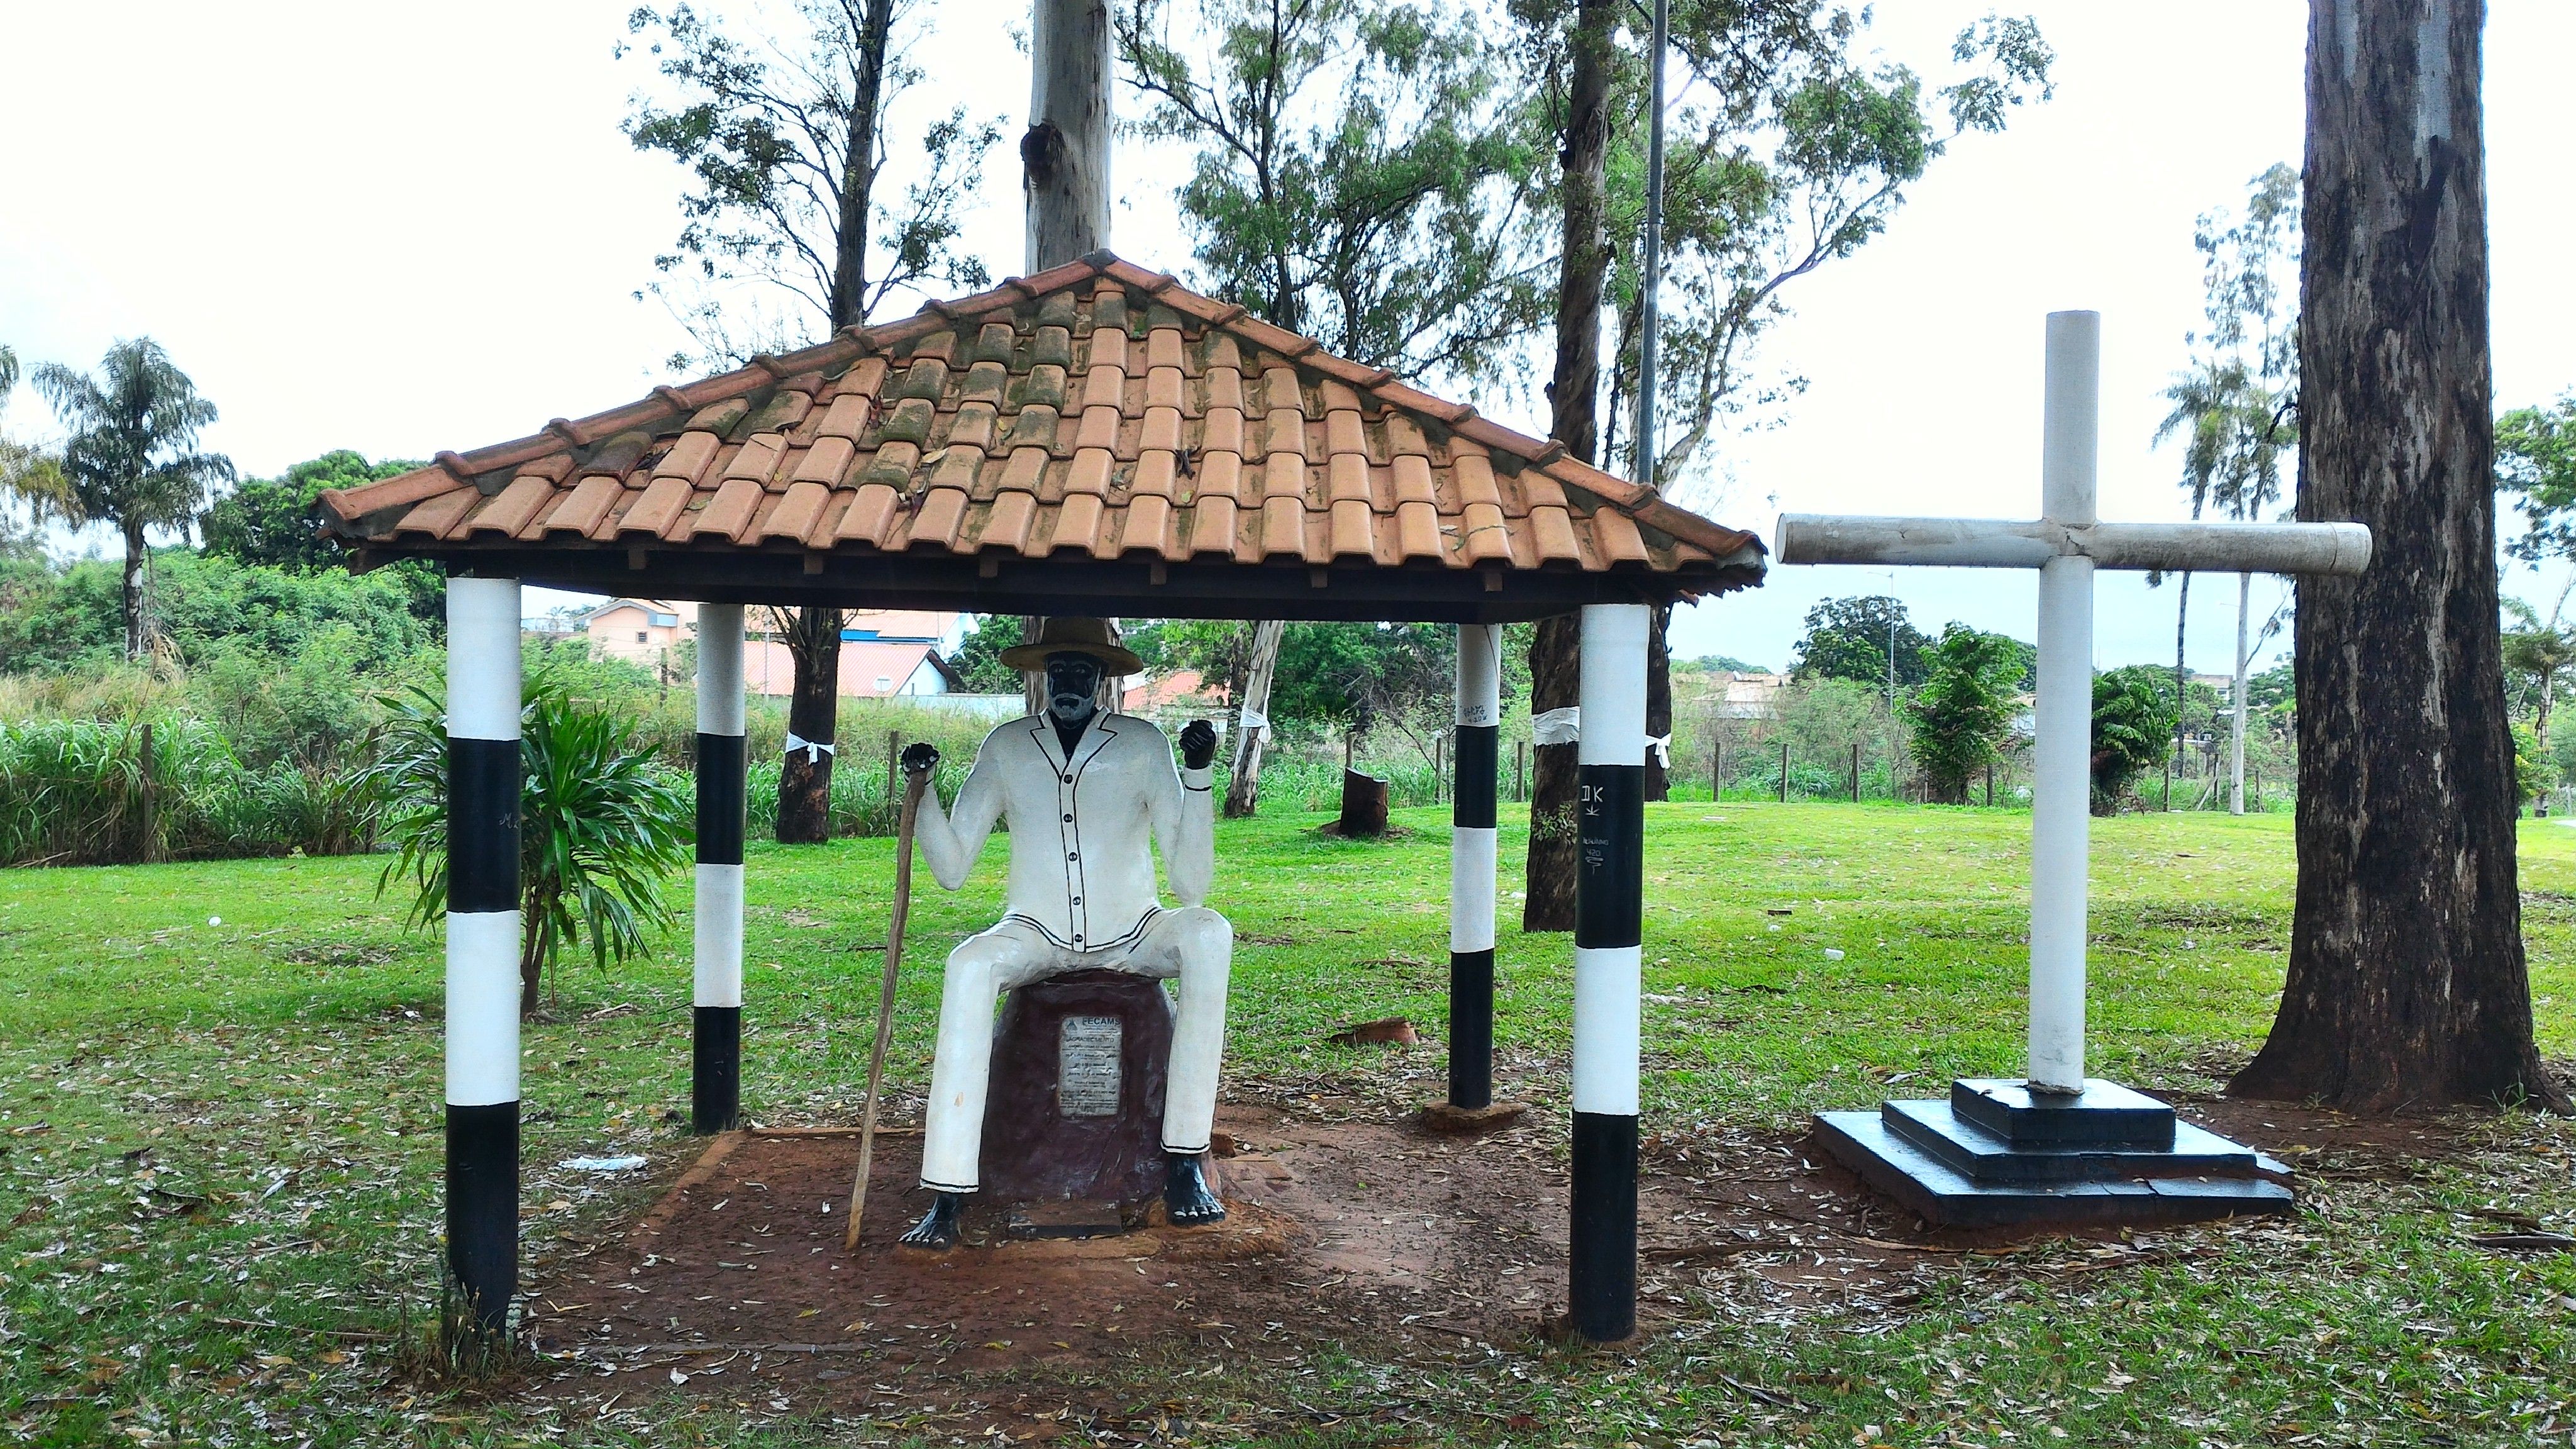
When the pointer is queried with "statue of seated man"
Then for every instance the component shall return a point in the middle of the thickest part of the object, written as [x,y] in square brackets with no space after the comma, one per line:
[1082,790]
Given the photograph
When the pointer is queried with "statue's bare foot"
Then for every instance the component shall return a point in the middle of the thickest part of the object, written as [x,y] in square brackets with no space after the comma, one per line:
[937,1229]
[1186,1195]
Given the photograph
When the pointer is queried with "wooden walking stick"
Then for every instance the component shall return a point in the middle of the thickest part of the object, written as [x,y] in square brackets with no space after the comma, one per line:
[913,784]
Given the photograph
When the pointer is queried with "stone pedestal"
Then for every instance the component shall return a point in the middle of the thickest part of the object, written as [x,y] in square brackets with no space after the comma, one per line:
[1073,1120]
[1998,1154]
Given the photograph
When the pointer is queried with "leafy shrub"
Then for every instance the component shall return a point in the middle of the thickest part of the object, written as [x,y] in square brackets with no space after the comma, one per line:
[2534,773]
[311,707]
[68,618]
[1963,713]
[2133,725]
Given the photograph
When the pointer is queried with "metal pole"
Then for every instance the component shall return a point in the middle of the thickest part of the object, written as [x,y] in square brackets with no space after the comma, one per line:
[1472,855]
[1855,774]
[1608,911]
[715,1034]
[2061,786]
[1649,312]
[1784,772]
[2236,741]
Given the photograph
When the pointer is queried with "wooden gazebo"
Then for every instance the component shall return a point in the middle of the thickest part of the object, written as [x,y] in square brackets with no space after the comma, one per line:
[1094,439]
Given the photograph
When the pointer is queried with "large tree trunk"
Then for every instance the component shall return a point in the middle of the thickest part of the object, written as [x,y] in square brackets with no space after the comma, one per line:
[1574,391]
[2406,982]
[1064,157]
[813,716]
[1243,790]
[137,558]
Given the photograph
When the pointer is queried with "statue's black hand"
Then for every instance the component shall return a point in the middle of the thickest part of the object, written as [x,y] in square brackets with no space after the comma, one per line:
[1198,744]
[920,759]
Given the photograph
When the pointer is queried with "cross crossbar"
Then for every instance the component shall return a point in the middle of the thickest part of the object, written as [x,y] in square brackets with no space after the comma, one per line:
[2287,548]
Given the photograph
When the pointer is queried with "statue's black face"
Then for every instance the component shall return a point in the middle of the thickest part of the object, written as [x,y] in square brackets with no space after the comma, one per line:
[1073,687]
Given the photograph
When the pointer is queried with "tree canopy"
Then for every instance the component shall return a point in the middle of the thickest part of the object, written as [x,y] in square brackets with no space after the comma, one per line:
[2536,460]
[1362,177]
[2236,405]
[1849,639]
[1793,150]
[786,232]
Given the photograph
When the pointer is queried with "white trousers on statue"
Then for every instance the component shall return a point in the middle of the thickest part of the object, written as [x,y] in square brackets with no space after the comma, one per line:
[1193,943]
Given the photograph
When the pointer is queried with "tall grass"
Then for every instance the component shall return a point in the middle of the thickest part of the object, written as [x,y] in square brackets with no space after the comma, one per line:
[104,792]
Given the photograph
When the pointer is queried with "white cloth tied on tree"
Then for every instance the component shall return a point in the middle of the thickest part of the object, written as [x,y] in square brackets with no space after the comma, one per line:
[1252,719]
[1662,745]
[1558,726]
[814,750]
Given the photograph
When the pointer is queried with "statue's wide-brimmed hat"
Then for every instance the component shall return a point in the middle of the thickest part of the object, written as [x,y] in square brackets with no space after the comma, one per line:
[1066,634]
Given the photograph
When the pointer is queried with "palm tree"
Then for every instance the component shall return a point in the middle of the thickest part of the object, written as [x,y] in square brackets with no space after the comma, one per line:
[2238,404]
[130,461]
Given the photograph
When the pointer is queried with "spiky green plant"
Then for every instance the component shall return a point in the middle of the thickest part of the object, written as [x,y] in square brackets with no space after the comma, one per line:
[600,824]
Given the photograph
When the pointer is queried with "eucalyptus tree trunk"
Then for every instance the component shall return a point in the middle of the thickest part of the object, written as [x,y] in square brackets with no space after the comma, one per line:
[1064,156]
[849,298]
[1556,655]
[2407,983]
[1064,164]
[1243,790]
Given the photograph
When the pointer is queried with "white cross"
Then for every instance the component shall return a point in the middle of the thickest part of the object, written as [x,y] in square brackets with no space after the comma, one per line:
[2066,544]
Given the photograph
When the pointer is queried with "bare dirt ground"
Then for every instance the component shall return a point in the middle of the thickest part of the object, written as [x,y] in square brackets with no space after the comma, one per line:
[1376,1236]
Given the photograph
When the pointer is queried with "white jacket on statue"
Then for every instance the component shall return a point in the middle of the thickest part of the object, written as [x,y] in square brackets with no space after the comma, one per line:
[1082,872]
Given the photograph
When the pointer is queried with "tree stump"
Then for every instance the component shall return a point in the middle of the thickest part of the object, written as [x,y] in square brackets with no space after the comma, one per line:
[1363,805]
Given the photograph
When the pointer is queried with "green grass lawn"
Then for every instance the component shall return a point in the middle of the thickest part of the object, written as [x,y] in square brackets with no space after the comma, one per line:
[220,1150]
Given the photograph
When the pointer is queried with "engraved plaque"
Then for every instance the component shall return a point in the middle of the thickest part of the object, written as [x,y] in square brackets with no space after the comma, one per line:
[1087,1058]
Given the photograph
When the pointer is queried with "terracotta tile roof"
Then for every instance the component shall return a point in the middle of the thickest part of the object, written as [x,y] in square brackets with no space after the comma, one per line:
[1096,411]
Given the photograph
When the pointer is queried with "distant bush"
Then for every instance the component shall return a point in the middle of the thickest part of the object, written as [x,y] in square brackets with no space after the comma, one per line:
[66,619]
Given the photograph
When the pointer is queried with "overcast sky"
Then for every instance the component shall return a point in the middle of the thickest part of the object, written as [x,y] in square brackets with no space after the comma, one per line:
[399,230]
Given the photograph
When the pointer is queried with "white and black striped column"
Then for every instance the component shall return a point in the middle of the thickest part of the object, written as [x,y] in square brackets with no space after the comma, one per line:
[1608,906]
[483,781]
[1471,867]
[715,1055]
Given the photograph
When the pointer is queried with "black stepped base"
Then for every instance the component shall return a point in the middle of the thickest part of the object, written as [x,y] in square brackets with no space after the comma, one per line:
[2104,1114]
[1941,1162]
[1965,1148]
